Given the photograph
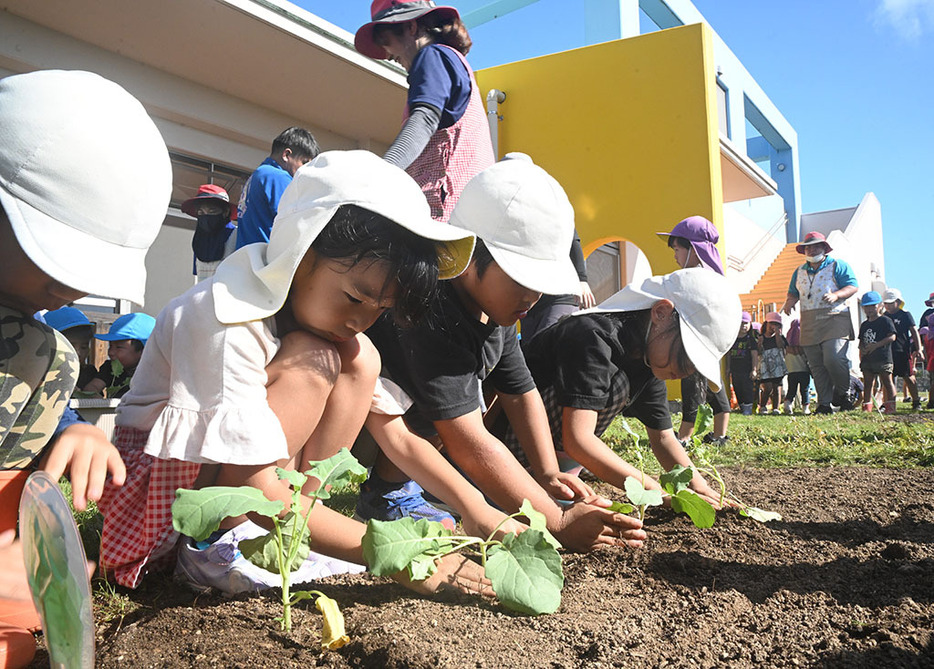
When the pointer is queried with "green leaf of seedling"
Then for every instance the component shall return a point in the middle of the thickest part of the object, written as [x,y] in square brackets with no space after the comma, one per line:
[389,546]
[197,513]
[699,511]
[759,514]
[676,479]
[537,522]
[526,573]
[295,479]
[339,470]
[423,566]
[263,551]
[704,420]
[620,507]
[116,368]
[639,496]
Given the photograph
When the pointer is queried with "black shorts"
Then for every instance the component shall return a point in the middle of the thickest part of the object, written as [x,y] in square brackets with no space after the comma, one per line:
[902,364]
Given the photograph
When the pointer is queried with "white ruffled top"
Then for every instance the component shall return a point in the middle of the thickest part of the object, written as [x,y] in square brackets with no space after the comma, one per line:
[200,388]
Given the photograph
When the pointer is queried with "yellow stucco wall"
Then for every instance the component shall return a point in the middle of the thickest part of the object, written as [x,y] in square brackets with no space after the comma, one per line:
[628,127]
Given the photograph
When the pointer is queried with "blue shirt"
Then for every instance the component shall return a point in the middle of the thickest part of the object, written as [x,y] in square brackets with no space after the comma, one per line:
[438,78]
[259,202]
[843,274]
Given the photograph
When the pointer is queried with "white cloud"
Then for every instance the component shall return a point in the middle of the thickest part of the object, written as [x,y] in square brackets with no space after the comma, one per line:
[911,19]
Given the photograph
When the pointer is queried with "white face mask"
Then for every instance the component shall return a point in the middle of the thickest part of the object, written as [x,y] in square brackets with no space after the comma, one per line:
[817,258]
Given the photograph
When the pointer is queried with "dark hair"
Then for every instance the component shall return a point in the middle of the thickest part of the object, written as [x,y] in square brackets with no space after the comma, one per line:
[440,29]
[679,241]
[137,345]
[635,326]
[300,141]
[354,234]
[481,257]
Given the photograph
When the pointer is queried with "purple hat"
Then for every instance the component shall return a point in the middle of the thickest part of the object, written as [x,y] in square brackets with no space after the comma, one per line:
[747,317]
[703,236]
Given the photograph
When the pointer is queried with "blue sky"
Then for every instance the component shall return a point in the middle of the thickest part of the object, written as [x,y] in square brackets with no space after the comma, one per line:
[853,77]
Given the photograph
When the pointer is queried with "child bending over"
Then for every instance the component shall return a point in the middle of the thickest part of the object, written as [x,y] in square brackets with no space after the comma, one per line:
[614,359]
[265,365]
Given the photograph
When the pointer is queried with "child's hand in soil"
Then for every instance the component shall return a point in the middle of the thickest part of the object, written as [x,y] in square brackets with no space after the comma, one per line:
[84,451]
[454,572]
[562,485]
[585,526]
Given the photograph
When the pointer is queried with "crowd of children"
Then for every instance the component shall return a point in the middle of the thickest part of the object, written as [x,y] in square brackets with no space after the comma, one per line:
[373,302]
[767,367]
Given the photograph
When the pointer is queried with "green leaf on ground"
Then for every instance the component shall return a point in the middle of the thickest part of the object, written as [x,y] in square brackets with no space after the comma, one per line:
[699,511]
[197,513]
[759,514]
[526,573]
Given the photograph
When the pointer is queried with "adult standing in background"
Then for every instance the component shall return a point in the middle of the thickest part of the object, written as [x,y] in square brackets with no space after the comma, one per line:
[822,286]
[259,199]
[213,239]
[445,138]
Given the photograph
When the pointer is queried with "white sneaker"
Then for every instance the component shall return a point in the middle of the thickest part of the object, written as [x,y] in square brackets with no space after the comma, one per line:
[222,566]
[807,409]
[788,408]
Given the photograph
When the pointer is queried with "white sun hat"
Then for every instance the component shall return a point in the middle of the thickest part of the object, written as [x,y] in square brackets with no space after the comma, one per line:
[253,282]
[85,179]
[709,312]
[525,220]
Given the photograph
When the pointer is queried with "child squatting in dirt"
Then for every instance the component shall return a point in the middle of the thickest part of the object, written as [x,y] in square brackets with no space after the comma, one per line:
[265,364]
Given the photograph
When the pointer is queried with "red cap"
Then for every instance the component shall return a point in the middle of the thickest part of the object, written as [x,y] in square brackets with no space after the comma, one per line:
[812,238]
[205,192]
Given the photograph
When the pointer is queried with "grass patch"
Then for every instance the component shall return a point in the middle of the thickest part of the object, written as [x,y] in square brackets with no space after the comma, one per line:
[848,439]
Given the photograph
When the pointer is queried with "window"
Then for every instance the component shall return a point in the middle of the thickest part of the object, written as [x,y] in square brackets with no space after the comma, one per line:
[188,173]
[603,271]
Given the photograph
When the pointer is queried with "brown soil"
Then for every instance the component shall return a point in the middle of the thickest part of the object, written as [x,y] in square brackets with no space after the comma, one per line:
[845,580]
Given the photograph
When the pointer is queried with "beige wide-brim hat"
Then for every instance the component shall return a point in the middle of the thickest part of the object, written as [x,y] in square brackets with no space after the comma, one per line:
[253,282]
[85,179]
[709,312]
[525,219]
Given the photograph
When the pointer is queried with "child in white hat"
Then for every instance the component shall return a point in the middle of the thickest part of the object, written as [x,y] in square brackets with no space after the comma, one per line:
[68,207]
[614,359]
[266,363]
[524,225]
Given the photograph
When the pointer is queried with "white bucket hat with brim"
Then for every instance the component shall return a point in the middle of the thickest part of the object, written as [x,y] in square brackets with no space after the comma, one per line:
[253,282]
[525,220]
[709,312]
[78,210]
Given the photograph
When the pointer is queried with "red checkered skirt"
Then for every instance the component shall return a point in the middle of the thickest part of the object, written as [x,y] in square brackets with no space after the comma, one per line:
[454,155]
[138,535]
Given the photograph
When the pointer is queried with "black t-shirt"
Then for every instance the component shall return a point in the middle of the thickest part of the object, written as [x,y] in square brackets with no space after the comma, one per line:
[741,354]
[872,331]
[441,362]
[583,361]
[903,321]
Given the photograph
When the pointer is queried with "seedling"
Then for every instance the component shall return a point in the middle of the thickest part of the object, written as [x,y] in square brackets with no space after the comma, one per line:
[701,455]
[674,484]
[198,513]
[525,569]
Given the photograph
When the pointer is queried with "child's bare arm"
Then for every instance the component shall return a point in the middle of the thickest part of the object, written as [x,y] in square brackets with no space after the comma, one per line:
[423,463]
[585,447]
[87,456]
[489,464]
[530,422]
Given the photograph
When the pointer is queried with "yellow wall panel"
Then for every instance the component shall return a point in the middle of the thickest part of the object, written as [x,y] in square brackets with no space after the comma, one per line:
[628,127]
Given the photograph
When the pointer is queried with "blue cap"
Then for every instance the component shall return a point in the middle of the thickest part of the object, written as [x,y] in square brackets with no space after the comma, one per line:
[130,326]
[870,298]
[65,318]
